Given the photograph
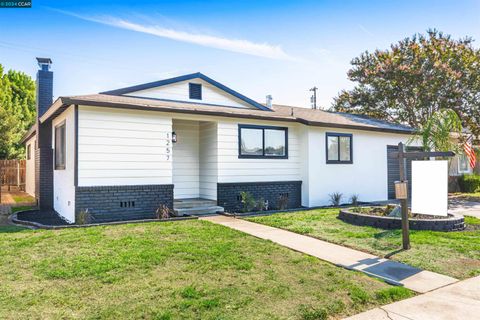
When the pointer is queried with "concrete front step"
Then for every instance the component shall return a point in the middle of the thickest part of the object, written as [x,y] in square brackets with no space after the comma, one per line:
[199,210]
[193,203]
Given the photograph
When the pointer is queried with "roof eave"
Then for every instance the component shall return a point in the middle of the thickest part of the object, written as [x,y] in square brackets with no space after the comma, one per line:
[349,126]
[72,101]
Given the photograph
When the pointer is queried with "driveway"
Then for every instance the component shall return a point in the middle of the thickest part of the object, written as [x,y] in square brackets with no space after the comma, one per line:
[460,301]
[464,207]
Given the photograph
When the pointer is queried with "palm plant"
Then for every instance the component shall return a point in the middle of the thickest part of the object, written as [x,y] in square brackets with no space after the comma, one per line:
[441,132]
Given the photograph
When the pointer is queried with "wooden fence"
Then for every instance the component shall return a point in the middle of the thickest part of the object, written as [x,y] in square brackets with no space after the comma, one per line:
[13,173]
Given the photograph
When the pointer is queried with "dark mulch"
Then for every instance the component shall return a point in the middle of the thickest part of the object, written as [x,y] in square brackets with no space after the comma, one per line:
[45,217]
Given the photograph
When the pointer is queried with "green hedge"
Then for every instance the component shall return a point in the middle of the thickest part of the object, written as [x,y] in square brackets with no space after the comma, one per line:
[469,183]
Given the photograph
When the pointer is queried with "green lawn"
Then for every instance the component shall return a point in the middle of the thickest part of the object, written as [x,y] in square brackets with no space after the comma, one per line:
[173,270]
[456,254]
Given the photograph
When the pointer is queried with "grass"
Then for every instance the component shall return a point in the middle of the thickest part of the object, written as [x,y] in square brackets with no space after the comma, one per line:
[22,197]
[456,254]
[173,270]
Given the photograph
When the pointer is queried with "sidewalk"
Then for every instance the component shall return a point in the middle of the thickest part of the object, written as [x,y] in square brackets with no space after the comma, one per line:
[390,271]
[460,300]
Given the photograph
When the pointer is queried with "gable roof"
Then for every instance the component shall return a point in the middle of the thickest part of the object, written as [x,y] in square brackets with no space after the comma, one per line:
[277,113]
[197,75]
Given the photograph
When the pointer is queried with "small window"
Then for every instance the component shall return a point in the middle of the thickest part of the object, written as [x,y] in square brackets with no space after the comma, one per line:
[339,148]
[29,151]
[262,142]
[195,91]
[463,166]
[60,147]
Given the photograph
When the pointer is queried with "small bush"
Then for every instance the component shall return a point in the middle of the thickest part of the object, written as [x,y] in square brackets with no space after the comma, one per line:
[163,212]
[469,183]
[248,201]
[354,199]
[335,198]
[83,217]
[283,201]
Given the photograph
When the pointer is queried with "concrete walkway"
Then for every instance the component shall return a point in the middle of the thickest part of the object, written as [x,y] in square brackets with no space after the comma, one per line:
[463,207]
[460,301]
[390,271]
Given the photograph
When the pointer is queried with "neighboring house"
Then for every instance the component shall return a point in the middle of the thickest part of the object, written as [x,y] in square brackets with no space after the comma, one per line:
[122,153]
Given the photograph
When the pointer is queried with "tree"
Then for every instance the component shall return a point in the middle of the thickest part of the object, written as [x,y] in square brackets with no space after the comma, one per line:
[415,78]
[17,111]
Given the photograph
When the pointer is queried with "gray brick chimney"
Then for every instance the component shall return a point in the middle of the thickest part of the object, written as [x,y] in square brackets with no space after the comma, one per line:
[44,151]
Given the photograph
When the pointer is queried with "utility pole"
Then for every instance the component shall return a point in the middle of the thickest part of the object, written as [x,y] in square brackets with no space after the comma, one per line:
[313,98]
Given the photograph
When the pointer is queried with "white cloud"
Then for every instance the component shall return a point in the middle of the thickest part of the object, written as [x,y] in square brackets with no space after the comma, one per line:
[235,45]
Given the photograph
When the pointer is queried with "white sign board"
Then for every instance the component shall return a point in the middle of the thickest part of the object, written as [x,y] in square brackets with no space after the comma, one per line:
[430,187]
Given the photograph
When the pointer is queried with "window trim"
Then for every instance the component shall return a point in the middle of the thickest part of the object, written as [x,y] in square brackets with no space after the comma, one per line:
[29,151]
[190,85]
[64,145]
[336,134]
[263,128]
[458,163]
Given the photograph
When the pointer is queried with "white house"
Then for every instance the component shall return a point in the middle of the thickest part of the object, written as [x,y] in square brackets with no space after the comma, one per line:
[122,153]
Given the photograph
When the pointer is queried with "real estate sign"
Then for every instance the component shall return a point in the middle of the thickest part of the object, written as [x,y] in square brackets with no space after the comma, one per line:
[430,187]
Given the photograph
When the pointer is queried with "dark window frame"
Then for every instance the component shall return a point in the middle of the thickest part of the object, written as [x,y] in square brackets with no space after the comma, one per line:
[193,87]
[338,135]
[29,151]
[60,166]
[263,128]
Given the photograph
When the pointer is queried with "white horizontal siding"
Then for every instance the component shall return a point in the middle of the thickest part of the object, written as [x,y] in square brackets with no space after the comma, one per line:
[123,147]
[64,180]
[233,169]
[180,91]
[186,159]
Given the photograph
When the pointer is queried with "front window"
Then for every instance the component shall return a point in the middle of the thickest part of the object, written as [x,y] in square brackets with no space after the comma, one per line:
[262,142]
[339,147]
[463,166]
[60,147]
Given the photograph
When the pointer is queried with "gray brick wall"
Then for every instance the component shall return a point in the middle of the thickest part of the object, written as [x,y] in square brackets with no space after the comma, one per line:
[44,166]
[115,203]
[44,151]
[228,194]
[44,91]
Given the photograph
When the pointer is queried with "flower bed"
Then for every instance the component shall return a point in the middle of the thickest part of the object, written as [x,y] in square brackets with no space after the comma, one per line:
[374,218]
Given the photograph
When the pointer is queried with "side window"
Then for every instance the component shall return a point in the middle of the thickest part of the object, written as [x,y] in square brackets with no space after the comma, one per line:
[339,148]
[60,147]
[29,151]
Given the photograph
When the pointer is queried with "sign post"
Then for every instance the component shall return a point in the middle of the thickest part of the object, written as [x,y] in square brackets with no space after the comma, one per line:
[402,157]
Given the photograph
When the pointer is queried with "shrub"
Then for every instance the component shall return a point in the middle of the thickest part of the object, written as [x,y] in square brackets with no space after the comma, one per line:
[163,212]
[469,183]
[248,201]
[83,217]
[261,205]
[354,199]
[335,198]
[283,201]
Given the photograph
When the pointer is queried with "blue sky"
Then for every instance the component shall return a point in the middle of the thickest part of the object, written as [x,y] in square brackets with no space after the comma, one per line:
[281,48]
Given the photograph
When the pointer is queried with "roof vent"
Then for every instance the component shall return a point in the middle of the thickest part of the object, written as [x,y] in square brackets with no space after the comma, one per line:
[268,104]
